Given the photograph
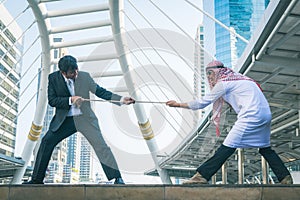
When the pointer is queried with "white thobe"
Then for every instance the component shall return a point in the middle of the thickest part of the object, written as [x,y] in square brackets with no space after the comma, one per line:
[253,125]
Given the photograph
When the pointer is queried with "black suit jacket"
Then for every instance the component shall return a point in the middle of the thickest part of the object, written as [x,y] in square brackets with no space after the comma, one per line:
[58,96]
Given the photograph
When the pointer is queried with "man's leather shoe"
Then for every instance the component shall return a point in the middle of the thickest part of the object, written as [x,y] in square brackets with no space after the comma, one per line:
[196,179]
[33,182]
[119,181]
[287,180]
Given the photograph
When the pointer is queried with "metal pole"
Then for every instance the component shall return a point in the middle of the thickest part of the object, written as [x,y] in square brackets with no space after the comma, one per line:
[241,165]
[214,179]
[117,17]
[297,130]
[36,127]
[264,169]
[224,173]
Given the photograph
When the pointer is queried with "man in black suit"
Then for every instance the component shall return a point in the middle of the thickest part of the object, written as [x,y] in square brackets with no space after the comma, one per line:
[67,90]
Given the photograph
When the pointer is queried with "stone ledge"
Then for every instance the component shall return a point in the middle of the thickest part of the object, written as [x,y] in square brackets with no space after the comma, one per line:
[151,192]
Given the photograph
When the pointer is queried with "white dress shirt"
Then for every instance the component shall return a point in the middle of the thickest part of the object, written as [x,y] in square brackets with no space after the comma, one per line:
[74,110]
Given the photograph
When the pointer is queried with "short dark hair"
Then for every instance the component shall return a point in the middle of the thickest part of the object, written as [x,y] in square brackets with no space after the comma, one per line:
[67,63]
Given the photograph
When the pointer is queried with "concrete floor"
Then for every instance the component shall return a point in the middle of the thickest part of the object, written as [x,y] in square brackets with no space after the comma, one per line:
[151,192]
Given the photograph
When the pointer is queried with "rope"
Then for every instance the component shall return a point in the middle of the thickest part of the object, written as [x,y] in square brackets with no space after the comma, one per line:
[116,101]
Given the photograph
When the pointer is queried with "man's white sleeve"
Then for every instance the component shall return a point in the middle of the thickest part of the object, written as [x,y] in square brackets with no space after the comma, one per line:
[209,98]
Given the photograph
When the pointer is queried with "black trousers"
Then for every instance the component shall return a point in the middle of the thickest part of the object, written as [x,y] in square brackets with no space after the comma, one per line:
[211,166]
[93,135]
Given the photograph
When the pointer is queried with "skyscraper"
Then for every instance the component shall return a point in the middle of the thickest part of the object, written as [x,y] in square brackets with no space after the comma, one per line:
[199,71]
[11,47]
[241,17]
[86,161]
[72,166]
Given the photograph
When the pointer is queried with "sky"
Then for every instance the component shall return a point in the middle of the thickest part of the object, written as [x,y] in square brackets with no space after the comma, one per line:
[130,150]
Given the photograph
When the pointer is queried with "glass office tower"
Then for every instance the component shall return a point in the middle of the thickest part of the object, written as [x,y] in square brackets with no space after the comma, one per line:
[242,17]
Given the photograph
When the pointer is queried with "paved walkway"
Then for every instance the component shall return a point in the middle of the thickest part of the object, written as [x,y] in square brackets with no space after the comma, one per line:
[151,192]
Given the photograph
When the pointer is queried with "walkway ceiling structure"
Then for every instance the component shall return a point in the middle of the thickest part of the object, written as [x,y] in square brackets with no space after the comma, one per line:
[272,57]
[8,166]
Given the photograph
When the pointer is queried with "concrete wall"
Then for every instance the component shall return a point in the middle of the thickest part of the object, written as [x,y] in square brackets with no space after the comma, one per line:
[151,192]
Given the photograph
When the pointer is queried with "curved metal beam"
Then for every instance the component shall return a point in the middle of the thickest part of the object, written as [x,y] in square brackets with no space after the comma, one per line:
[117,18]
[36,128]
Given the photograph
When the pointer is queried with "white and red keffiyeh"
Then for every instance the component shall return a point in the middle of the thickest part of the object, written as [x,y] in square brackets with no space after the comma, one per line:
[222,73]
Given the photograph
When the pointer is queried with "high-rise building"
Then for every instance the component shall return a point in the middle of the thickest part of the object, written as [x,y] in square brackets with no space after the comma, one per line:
[241,17]
[59,156]
[72,166]
[11,47]
[86,161]
[199,71]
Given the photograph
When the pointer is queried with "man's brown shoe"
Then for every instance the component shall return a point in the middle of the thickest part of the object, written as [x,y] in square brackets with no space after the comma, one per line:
[196,179]
[287,180]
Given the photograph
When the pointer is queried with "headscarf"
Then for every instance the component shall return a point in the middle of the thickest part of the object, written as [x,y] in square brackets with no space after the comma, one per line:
[222,74]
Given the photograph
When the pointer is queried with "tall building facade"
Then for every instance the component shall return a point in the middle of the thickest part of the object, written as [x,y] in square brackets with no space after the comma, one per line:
[11,47]
[72,166]
[86,161]
[199,71]
[241,17]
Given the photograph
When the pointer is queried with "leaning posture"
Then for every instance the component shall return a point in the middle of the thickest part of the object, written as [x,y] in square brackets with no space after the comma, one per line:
[67,90]
[252,128]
